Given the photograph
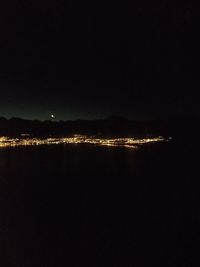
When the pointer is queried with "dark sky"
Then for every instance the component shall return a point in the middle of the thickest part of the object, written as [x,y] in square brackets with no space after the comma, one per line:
[93,59]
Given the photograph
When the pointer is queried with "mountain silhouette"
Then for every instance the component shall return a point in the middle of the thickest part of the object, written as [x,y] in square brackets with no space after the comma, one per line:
[113,125]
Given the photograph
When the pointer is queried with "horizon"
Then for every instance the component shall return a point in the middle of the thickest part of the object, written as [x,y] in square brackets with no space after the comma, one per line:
[111,117]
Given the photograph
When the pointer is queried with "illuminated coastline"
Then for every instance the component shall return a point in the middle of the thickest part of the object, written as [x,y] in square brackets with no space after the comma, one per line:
[131,143]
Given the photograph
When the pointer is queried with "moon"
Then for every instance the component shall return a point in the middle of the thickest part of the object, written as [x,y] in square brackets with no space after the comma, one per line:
[52,116]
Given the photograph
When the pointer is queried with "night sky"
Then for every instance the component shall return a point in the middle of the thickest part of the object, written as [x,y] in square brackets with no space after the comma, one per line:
[94,59]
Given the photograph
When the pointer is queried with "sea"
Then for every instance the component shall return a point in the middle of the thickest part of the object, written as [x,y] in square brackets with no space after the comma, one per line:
[88,205]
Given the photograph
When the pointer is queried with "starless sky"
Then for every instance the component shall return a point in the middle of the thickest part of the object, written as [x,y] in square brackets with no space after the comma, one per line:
[93,59]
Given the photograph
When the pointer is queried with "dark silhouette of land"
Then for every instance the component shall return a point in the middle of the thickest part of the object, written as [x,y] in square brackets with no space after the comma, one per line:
[110,126]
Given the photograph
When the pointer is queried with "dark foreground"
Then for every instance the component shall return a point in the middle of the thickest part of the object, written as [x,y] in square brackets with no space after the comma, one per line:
[96,206]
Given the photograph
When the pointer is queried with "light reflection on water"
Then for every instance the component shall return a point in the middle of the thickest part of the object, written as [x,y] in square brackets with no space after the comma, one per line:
[132,143]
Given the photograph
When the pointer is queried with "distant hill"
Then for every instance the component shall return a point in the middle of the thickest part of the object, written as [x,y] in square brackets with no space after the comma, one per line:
[111,126]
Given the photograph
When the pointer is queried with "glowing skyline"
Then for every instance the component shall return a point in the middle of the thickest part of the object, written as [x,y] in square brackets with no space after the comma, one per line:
[131,143]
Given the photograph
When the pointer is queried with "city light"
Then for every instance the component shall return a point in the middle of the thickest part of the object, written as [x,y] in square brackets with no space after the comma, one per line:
[132,143]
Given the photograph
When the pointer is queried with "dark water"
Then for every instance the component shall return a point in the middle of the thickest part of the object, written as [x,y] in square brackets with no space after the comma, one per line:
[95,206]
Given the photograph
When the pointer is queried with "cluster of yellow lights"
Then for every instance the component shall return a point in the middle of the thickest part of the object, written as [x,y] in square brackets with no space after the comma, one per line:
[79,139]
